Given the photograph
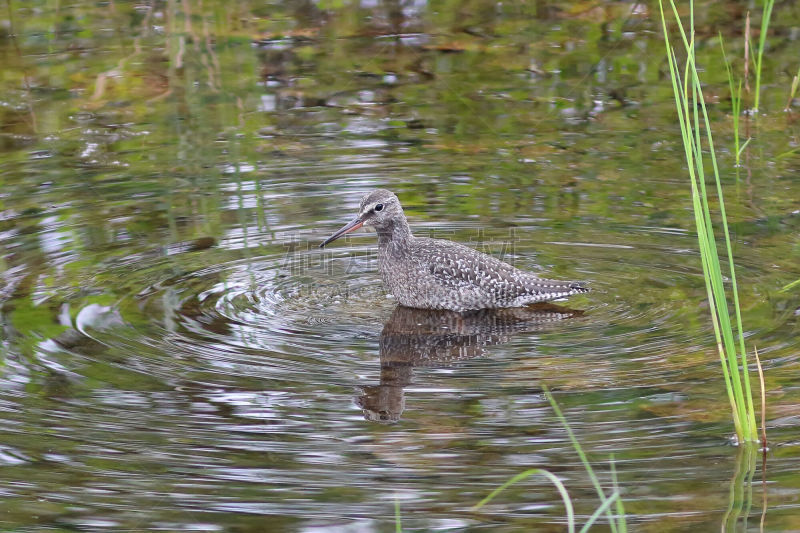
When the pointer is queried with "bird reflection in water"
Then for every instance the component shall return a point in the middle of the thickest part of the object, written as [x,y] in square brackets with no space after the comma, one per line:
[428,338]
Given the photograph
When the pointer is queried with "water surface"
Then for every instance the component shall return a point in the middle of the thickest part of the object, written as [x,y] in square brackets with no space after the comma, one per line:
[178,354]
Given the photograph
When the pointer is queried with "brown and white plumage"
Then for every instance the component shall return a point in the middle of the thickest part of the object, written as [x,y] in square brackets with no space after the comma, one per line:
[438,274]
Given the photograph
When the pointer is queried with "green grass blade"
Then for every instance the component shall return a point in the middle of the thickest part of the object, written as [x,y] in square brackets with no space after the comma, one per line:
[736,102]
[762,39]
[787,153]
[711,267]
[579,450]
[693,117]
[741,149]
[623,526]
[604,507]
[398,525]
[532,472]
[791,285]
[749,411]
[793,90]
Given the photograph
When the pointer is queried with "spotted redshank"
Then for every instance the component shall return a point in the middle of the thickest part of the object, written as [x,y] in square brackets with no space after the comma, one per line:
[438,274]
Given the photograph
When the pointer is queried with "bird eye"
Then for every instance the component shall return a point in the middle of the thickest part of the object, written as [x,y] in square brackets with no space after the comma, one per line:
[379,207]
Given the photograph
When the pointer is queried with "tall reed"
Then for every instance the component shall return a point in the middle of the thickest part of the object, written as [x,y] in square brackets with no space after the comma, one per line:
[691,108]
[762,40]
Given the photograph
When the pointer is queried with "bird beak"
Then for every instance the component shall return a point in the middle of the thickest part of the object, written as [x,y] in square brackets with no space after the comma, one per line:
[352,226]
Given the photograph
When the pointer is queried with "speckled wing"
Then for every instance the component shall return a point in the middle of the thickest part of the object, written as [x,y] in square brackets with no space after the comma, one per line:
[464,269]
[459,267]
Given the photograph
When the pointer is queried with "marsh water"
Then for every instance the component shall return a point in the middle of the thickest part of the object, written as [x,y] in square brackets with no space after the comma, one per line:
[177,354]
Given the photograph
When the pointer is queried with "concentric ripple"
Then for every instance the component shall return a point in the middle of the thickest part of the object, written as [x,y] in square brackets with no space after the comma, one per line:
[312,314]
[259,362]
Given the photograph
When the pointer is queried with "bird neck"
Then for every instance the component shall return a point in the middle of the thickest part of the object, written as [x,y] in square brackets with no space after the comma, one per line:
[396,231]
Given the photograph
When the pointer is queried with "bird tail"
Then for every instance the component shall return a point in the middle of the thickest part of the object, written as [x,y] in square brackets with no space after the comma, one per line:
[548,289]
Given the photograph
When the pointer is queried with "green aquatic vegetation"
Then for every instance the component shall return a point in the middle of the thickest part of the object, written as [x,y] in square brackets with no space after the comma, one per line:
[791,285]
[736,104]
[617,522]
[691,107]
[398,524]
[562,490]
[793,90]
[762,40]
